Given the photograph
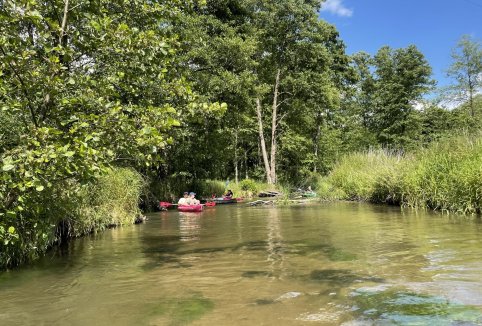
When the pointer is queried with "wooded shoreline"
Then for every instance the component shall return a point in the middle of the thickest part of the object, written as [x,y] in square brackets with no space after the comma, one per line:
[106,105]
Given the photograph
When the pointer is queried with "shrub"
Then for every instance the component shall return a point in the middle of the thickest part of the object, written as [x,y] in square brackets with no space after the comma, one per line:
[248,185]
[62,211]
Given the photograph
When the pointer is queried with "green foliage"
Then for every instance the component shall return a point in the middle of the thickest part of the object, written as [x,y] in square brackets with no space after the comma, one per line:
[402,77]
[111,200]
[248,185]
[366,176]
[56,213]
[444,176]
[466,70]
[97,86]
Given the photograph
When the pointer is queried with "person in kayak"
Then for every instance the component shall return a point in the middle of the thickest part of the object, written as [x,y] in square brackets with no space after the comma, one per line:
[184,200]
[192,199]
[229,194]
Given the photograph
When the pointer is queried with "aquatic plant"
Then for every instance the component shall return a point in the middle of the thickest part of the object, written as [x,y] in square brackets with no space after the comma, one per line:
[181,311]
[402,307]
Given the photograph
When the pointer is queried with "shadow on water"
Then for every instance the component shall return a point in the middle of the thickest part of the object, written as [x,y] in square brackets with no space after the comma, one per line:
[253,274]
[402,307]
[162,250]
[251,246]
[331,252]
[341,277]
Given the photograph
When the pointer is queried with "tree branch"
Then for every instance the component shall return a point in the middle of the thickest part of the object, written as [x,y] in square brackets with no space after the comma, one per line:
[64,22]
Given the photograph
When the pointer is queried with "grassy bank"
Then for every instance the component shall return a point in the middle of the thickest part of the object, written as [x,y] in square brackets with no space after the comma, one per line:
[171,189]
[445,176]
[69,211]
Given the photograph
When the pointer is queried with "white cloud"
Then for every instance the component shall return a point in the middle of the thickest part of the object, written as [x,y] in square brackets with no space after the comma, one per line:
[336,7]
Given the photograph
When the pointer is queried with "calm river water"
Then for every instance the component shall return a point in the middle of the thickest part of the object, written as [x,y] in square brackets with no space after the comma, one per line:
[331,264]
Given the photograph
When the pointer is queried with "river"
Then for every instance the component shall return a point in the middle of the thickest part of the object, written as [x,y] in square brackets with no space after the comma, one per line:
[329,264]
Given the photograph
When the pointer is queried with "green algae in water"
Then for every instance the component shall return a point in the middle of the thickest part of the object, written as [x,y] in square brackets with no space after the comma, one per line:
[182,311]
[335,254]
[408,308]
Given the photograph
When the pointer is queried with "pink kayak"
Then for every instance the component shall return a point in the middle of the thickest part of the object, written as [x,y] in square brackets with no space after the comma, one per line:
[190,208]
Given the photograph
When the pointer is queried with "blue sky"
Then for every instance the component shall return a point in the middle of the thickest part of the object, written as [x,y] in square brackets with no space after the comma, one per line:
[434,26]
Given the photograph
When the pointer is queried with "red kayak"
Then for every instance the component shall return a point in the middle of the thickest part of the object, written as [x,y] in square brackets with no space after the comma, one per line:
[190,208]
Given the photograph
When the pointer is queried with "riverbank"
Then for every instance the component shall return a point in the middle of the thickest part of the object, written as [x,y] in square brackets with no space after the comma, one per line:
[445,176]
[69,211]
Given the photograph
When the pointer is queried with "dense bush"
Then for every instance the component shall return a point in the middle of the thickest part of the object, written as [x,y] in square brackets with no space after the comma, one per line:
[446,176]
[248,185]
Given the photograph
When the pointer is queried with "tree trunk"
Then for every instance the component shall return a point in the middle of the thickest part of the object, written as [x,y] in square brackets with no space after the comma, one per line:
[62,36]
[262,142]
[274,126]
[471,97]
[316,140]
[236,173]
[246,163]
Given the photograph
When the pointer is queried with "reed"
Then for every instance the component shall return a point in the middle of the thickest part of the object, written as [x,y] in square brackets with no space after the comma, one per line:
[368,176]
[446,175]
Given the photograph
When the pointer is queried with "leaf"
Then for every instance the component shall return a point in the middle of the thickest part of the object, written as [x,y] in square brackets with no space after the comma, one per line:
[8,167]
[11,230]
[39,188]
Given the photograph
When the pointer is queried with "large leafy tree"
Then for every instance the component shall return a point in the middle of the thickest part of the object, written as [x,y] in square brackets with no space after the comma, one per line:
[275,65]
[85,85]
[300,61]
[402,76]
[217,52]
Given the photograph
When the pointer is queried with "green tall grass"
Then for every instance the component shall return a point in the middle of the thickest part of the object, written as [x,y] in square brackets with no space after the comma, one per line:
[66,212]
[112,200]
[447,176]
[368,176]
[171,189]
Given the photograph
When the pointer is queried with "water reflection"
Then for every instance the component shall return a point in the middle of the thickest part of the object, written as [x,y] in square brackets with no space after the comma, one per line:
[189,226]
[274,242]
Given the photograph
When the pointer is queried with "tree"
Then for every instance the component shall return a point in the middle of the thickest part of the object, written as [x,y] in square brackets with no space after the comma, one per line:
[90,85]
[273,64]
[300,58]
[402,76]
[218,54]
[466,69]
